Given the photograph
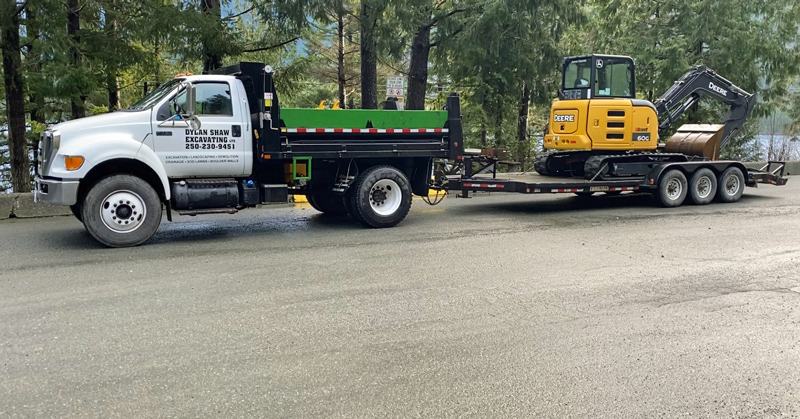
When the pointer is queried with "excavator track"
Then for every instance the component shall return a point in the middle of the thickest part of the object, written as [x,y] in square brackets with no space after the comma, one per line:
[569,163]
[605,166]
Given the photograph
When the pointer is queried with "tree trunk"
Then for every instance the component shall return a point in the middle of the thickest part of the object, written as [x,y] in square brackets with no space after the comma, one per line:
[157,53]
[35,61]
[15,96]
[341,79]
[112,85]
[418,68]
[212,60]
[522,122]
[73,28]
[369,56]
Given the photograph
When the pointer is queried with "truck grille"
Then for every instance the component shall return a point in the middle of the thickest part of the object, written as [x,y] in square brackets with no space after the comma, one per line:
[45,151]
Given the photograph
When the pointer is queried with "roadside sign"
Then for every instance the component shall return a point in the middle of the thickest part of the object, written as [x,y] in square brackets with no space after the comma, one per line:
[394,86]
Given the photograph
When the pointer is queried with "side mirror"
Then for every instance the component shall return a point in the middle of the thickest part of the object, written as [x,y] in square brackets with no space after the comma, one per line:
[191,118]
[186,117]
[190,100]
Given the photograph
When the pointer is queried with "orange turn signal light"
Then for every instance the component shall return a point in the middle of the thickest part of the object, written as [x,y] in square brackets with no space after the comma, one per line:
[73,162]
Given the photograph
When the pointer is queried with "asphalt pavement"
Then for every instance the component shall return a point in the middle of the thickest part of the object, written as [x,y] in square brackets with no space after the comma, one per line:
[491,307]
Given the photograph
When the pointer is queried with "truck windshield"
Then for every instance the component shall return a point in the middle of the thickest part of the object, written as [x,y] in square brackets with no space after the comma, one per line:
[156,95]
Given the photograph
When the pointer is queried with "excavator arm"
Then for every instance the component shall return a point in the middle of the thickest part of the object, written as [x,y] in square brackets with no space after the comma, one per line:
[693,86]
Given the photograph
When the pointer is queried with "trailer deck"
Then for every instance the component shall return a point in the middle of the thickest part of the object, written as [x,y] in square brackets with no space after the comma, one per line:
[488,179]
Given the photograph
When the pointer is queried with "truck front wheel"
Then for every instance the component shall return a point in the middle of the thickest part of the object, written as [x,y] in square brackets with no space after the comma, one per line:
[380,197]
[121,211]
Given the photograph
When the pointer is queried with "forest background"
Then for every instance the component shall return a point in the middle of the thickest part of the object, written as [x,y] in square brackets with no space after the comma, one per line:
[67,59]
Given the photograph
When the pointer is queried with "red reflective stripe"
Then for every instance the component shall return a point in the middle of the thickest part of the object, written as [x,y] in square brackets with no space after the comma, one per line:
[366,130]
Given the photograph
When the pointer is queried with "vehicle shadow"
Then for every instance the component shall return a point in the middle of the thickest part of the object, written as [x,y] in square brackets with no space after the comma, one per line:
[266,225]
[566,204]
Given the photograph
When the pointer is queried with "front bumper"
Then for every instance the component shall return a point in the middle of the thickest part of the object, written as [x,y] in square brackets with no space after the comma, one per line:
[58,192]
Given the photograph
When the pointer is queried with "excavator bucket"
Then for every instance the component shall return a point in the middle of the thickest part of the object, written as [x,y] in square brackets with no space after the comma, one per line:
[696,140]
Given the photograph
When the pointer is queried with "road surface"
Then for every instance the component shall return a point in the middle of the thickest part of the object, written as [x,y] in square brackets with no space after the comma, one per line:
[496,306]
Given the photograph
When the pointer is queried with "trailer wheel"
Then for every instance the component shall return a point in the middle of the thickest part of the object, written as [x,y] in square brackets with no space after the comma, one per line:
[121,211]
[731,185]
[380,197]
[672,188]
[327,203]
[703,187]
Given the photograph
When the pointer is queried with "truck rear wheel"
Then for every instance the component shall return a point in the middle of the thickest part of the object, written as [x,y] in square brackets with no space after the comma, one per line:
[121,211]
[327,203]
[731,185]
[380,197]
[672,188]
[703,187]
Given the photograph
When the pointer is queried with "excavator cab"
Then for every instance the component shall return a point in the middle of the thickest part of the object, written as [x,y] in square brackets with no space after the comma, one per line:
[598,76]
[598,109]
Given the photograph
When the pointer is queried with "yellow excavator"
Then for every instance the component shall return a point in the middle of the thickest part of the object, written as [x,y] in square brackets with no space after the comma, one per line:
[598,121]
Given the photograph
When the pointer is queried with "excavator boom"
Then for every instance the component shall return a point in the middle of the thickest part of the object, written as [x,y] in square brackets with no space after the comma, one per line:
[697,83]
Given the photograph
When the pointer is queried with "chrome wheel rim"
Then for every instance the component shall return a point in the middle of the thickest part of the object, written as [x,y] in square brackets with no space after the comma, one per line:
[674,189]
[122,211]
[732,185]
[703,187]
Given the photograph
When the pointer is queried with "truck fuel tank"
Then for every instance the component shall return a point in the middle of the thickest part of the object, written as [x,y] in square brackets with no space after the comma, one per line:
[194,194]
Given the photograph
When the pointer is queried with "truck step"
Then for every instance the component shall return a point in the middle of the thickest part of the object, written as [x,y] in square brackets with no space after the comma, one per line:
[342,183]
[209,211]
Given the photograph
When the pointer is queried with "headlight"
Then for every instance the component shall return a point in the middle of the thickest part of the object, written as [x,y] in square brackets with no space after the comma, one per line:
[56,140]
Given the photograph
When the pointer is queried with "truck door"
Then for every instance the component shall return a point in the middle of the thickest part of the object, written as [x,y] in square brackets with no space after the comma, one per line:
[215,149]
